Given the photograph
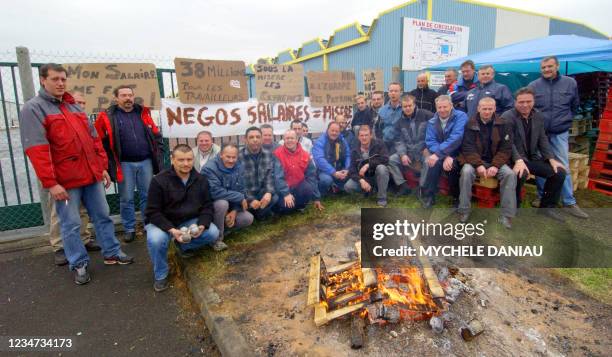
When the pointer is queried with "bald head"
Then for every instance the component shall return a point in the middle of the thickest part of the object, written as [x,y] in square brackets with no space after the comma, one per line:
[422,80]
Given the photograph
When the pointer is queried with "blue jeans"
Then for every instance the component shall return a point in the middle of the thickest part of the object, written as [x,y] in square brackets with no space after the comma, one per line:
[326,181]
[302,194]
[157,244]
[135,175]
[94,200]
[560,147]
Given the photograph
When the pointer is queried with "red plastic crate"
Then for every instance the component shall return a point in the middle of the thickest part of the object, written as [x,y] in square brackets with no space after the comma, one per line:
[603,156]
[605,125]
[603,145]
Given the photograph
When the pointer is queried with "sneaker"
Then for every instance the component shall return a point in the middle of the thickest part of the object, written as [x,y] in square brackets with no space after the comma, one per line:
[91,246]
[81,276]
[129,237]
[575,211]
[121,259]
[382,202]
[464,217]
[535,203]
[551,213]
[219,246]
[60,258]
[403,189]
[160,285]
[505,221]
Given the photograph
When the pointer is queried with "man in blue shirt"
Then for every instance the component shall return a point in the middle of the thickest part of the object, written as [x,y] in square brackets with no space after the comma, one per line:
[556,97]
[390,113]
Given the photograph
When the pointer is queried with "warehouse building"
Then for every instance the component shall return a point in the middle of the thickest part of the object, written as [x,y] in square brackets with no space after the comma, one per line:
[379,45]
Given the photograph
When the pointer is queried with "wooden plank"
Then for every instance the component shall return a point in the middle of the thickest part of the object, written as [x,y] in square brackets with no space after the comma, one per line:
[314,281]
[342,267]
[369,275]
[429,275]
[322,316]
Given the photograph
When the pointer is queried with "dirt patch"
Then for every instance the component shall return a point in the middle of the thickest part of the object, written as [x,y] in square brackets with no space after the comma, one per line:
[264,288]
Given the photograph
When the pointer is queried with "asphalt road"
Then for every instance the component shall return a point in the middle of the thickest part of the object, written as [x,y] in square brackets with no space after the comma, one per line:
[116,314]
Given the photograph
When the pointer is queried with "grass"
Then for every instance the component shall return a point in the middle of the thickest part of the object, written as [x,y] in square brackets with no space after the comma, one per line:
[594,282]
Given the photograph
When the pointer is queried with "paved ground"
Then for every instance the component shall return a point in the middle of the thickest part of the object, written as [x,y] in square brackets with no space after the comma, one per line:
[116,314]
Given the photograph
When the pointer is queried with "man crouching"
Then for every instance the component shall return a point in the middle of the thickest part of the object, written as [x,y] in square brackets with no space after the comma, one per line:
[178,197]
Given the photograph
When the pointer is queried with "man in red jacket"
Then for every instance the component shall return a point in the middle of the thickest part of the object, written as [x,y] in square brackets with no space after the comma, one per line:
[133,143]
[70,162]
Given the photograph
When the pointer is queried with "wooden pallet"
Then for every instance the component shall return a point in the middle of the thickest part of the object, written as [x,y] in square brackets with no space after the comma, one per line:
[603,186]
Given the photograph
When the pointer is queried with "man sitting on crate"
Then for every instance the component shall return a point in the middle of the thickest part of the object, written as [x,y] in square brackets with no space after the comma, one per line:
[443,139]
[531,151]
[410,144]
[368,170]
[485,151]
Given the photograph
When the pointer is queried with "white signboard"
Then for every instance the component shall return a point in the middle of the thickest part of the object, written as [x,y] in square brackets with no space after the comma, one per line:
[436,79]
[180,120]
[427,43]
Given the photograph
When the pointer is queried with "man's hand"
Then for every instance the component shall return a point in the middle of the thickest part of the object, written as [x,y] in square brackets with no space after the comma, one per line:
[244,204]
[556,165]
[481,171]
[341,175]
[176,234]
[106,180]
[265,200]
[363,170]
[318,205]
[59,193]
[520,168]
[447,165]
[492,171]
[432,159]
[230,219]
[255,204]
[289,201]
[200,231]
[365,186]
[406,160]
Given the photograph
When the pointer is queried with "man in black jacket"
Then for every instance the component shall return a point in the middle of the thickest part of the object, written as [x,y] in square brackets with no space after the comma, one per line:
[425,97]
[364,115]
[532,153]
[410,132]
[368,168]
[178,197]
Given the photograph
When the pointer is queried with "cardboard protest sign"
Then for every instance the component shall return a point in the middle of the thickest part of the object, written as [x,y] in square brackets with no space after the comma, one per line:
[180,120]
[331,88]
[210,81]
[278,83]
[373,80]
[97,81]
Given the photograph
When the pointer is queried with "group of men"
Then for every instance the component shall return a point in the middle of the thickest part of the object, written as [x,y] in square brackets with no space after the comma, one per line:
[472,127]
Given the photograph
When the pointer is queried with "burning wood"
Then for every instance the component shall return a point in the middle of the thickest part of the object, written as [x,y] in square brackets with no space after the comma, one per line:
[381,295]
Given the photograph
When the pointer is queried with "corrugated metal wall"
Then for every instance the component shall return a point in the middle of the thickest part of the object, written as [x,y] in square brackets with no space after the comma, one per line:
[385,45]
[384,48]
[558,27]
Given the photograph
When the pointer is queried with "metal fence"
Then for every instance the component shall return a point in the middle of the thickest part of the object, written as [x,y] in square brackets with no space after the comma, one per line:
[20,204]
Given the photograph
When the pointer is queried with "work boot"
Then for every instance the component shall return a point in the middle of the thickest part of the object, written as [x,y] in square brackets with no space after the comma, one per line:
[505,221]
[121,259]
[91,246]
[403,189]
[129,237]
[60,258]
[551,213]
[81,276]
[427,202]
[536,203]
[575,211]
[219,246]
[161,285]
[382,202]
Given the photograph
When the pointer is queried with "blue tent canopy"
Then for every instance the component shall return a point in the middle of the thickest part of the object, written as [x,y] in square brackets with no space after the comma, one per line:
[576,54]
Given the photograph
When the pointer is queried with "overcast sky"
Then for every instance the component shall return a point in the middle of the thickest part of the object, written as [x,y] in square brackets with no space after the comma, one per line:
[215,29]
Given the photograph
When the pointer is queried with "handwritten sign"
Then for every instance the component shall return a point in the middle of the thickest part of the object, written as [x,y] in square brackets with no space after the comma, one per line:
[179,120]
[277,83]
[97,80]
[373,81]
[209,81]
[331,88]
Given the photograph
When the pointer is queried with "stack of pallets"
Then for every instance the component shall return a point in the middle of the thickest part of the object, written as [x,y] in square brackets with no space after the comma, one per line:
[600,176]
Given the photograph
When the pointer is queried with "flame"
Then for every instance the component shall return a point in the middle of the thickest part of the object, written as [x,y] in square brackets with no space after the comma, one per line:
[415,292]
